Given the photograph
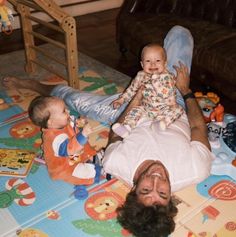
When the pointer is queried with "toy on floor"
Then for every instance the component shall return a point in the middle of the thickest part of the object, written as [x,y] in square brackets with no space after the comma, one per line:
[6,18]
[217,114]
[81,192]
[213,97]
[229,137]
[208,102]
[221,134]
[215,131]
[224,164]
[225,152]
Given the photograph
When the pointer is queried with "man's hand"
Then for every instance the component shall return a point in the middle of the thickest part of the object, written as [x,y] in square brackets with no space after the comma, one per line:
[182,78]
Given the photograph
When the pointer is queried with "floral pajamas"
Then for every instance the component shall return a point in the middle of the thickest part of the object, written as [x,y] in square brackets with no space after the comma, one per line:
[159,99]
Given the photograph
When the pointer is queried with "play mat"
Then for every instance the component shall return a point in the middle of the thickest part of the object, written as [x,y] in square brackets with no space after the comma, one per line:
[37,206]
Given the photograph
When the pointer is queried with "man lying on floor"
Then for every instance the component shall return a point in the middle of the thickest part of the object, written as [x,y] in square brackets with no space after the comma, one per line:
[153,162]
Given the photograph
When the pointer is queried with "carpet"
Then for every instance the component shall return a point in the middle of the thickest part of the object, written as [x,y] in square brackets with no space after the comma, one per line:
[37,206]
[14,64]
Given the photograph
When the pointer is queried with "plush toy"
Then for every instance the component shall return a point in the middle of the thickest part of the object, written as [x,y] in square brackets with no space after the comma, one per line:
[207,102]
[211,96]
[217,115]
[5,18]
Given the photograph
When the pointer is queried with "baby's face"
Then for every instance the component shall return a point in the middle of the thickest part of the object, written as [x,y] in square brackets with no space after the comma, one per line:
[153,60]
[59,114]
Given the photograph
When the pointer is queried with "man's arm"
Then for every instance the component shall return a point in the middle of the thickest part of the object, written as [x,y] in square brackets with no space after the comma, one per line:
[194,113]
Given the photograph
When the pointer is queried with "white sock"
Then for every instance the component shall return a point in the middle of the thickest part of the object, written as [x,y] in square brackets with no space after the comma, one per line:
[162,125]
[121,130]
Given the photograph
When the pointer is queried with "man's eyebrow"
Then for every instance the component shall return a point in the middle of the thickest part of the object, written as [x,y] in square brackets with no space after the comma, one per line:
[147,191]
[164,197]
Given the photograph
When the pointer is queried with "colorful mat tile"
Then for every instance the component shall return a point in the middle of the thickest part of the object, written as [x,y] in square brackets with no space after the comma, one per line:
[37,206]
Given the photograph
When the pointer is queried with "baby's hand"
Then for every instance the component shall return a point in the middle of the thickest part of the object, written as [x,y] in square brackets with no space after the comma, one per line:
[117,103]
[80,123]
[87,130]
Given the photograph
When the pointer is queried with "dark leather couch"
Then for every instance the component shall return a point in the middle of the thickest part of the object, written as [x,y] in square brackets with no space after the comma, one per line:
[211,22]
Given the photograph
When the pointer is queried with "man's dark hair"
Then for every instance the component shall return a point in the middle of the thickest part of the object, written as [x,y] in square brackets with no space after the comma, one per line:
[146,221]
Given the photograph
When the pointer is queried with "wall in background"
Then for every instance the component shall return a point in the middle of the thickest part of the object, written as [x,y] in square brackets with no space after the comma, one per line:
[72,7]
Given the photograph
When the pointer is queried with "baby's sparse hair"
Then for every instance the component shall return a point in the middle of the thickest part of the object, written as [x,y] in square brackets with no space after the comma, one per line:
[38,110]
[150,45]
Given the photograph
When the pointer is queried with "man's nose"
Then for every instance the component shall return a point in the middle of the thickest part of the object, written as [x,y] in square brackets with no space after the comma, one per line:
[155,198]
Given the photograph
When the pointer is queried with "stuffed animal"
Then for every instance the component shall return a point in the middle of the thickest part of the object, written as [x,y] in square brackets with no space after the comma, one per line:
[207,102]
[5,18]
[217,114]
[214,98]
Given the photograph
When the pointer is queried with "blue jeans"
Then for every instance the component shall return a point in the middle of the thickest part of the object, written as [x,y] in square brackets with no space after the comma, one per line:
[178,44]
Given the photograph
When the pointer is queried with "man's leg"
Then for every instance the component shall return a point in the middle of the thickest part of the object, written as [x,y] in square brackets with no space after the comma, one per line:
[96,107]
[15,83]
[178,44]
[91,105]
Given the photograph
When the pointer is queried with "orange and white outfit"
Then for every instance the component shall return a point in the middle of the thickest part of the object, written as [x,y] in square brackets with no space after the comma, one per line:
[70,141]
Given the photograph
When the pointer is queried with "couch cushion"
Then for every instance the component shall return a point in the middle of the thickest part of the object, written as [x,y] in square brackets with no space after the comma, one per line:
[144,28]
[214,44]
[220,58]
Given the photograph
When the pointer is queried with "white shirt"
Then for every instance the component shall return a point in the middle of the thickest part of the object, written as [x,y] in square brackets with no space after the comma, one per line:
[187,162]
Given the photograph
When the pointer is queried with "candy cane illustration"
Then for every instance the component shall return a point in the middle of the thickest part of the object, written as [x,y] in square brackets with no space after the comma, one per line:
[18,191]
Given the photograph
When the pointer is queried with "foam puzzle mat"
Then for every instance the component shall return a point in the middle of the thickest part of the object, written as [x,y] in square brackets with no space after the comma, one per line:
[37,206]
